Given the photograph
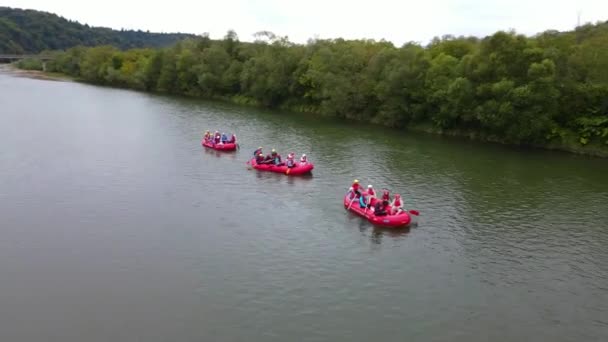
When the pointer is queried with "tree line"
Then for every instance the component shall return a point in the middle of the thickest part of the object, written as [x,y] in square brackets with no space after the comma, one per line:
[30,31]
[549,89]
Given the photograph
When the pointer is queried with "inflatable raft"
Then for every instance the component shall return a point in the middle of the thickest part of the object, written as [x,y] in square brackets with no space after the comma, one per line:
[220,146]
[299,169]
[402,219]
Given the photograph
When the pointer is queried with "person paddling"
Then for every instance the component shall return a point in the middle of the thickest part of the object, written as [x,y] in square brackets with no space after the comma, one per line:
[355,187]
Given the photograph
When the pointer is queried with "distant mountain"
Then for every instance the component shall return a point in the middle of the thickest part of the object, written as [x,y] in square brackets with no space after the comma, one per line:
[30,31]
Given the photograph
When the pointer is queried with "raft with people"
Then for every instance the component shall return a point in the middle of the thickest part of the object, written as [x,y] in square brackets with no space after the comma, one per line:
[273,163]
[219,142]
[378,211]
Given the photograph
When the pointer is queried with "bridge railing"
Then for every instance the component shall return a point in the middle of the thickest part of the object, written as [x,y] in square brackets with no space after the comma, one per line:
[6,56]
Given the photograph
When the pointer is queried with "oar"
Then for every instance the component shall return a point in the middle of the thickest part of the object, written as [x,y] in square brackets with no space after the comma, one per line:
[351,201]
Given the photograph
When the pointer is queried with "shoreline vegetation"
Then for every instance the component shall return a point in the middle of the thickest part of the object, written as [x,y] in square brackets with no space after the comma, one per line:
[548,91]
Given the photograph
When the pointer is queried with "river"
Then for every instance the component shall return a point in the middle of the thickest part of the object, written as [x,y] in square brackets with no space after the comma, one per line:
[115,225]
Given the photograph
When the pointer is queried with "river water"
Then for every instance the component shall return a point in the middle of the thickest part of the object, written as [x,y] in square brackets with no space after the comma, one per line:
[115,225]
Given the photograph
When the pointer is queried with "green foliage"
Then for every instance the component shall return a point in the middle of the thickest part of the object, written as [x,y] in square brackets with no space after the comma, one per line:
[29,31]
[30,64]
[539,90]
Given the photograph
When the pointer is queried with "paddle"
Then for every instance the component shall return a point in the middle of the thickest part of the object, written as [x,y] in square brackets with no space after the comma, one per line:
[351,201]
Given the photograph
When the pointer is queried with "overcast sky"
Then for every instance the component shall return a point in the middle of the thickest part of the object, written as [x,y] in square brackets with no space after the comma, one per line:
[397,21]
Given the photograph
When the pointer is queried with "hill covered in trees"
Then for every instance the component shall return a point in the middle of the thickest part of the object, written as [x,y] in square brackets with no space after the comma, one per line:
[29,31]
[547,90]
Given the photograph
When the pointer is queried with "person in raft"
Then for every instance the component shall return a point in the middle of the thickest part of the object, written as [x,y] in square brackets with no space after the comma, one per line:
[363,203]
[303,159]
[276,158]
[380,208]
[290,162]
[232,139]
[356,187]
[207,136]
[396,205]
[224,138]
[268,159]
[257,152]
[217,137]
[371,193]
[259,159]
[386,195]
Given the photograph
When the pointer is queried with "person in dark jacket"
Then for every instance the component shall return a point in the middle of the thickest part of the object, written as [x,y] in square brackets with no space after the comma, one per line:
[380,208]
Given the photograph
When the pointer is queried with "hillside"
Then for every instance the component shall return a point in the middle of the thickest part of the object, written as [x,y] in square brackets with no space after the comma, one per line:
[30,31]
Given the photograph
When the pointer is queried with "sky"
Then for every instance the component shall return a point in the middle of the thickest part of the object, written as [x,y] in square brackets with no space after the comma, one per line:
[395,21]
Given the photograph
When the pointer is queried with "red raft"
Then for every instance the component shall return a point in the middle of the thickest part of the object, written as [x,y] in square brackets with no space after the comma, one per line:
[220,146]
[402,219]
[299,169]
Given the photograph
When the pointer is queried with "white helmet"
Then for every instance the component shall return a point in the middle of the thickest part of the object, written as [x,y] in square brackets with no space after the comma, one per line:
[304,155]
[369,186]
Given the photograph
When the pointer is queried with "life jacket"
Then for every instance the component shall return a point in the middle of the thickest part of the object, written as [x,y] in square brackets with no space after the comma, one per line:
[356,186]
[257,152]
[371,192]
[290,162]
[232,139]
[224,138]
[362,203]
[397,202]
[385,196]
[303,160]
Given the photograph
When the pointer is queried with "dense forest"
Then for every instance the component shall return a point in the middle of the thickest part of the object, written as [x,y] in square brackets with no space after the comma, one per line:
[29,31]
[548,90]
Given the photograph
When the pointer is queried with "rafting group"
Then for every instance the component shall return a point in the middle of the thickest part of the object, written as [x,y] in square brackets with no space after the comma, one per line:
[275,159]
[380,211]
[219,141]
[272,162]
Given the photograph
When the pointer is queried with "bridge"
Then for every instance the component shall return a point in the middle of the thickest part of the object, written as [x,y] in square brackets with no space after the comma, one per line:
[9,58]
[16,57]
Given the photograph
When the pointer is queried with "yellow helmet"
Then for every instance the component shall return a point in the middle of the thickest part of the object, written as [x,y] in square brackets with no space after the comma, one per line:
[273,150]
[356,181]
[260,147]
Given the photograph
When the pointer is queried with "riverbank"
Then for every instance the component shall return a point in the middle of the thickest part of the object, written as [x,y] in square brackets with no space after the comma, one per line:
[37,74]
[567,141]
